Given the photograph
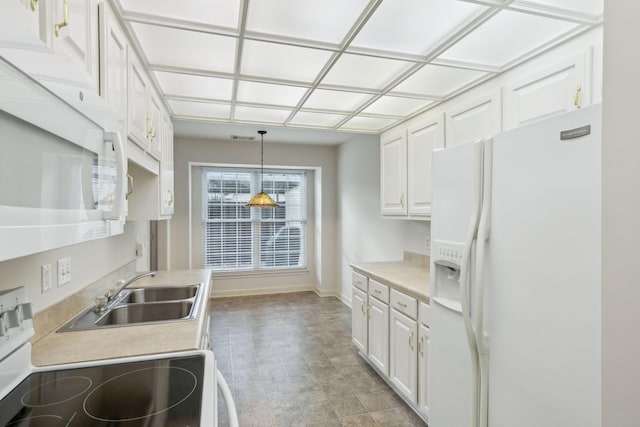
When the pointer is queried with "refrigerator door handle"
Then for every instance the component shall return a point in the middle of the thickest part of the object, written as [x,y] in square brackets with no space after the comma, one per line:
[472,233]
[478,312]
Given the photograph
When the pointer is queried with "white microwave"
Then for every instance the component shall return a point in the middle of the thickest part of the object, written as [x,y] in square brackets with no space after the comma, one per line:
[62,173]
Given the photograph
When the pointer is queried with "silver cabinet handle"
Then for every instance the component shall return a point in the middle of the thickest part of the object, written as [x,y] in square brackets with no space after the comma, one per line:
[377,291]
[401,304]
[411,341]
[369,311]
[421,346]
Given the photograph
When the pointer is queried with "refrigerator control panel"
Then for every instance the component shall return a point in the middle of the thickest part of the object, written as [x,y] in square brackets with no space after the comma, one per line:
[447,253]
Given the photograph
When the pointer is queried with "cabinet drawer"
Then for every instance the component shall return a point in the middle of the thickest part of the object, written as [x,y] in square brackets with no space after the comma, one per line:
[423,313]
[379,290]
[404,304]
[359,281]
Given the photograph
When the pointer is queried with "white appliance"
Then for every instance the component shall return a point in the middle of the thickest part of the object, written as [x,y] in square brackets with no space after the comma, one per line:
[62,166]
[163,390]
[515,317]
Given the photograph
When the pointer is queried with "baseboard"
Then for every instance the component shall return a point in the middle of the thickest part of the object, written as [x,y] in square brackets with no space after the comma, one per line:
[346,299]
[259,291]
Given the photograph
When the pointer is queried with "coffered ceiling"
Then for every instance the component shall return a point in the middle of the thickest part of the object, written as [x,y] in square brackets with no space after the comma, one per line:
[343,65]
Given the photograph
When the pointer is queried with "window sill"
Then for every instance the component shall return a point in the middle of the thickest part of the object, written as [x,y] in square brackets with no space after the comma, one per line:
[258,273]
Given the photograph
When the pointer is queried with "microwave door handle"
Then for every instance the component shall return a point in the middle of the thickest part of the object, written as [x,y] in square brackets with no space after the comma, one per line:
[121,181]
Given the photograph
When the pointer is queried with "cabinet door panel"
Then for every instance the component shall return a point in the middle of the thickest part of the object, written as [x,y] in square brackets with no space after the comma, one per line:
[423,369]
[166,168]
[556,90]
[379,334]
[359,319]
[393,175]
[421,140]
[138,103]
[32,16]
[403,364]
[77,41]
[113,62]
[475,120]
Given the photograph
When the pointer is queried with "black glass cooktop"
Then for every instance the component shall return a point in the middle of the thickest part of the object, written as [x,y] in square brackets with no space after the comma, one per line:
[155,393]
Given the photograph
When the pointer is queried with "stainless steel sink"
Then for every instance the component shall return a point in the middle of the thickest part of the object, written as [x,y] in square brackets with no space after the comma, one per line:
[149,312]
[169,293]
[136,306]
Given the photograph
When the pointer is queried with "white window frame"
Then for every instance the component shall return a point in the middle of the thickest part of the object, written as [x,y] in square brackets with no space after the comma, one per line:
[297,219]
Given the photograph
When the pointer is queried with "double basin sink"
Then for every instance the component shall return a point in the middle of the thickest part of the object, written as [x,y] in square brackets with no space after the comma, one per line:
[135,306]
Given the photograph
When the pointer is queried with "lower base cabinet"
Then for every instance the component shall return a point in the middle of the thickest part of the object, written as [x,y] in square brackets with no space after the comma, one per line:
[379,334]
[403,371]
[423,369]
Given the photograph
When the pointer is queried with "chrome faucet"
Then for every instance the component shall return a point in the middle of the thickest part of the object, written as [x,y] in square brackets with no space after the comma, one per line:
[102,302]
[121,284]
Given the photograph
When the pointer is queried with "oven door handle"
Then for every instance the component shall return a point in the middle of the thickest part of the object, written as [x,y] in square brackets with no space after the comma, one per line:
[228,399]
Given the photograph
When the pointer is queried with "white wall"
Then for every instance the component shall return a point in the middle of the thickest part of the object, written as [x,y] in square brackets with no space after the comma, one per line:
[89,262]
[322,159]
[621,216]
[363,236]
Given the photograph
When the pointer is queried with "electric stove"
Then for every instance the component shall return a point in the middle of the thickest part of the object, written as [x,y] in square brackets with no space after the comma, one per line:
[168,390]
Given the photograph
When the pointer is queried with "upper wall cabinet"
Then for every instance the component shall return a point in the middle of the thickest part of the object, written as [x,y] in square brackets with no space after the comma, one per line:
[422,139]
[405,160]
[74,29]
[393,174]
[145,110]
[113,62]
[555,90]
[32,13]
[474,120]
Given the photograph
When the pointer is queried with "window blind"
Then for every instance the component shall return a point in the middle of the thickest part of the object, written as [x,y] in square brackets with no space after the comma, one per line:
[237,238]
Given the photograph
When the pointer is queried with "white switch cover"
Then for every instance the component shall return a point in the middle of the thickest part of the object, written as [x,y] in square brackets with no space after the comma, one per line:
[46,277]
[64,271]
[427,243]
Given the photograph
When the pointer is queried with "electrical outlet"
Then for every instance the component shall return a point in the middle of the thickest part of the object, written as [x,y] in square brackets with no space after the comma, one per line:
[64,271]
[427,243]
[46,277]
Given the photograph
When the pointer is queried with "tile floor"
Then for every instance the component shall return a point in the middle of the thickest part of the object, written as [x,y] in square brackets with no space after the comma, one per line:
[289,361]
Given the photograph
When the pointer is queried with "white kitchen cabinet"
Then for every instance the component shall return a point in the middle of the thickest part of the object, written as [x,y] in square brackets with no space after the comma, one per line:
[422,139]
[359,319]
[138,124]
[378,324]
[114,46]
[393,174]
[423,369]
[478,119]
[561,88]
[166,168]
[403,361]
[32,13]
[73,28]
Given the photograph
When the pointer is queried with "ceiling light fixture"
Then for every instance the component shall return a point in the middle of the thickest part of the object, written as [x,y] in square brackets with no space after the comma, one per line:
[262,199]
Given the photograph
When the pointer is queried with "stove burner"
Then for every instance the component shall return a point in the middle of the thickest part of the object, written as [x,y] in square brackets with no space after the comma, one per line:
[148,391]
[39,420]
[56,391]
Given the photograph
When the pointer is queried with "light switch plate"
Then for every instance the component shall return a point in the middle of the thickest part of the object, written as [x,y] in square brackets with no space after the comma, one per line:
[46,277]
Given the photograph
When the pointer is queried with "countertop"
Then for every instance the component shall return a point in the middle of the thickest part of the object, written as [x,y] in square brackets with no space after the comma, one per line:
[408,276]
[99,344]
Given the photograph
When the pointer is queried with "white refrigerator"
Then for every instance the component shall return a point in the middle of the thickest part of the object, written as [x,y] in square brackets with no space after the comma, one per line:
[515,299]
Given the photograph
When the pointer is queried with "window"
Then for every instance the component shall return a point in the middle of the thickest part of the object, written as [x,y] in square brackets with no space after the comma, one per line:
[237,238]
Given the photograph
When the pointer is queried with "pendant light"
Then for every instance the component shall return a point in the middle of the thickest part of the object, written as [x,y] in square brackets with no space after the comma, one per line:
[262,199]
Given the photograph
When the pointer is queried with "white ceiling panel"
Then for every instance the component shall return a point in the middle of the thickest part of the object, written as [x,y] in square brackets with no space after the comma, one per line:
[266,93]
[281,61]
[506,36]
[304,118]
[316,64]
[200,109]
[397,106]
[336,100]
[374,124]
[325,21]
[190,85]
[413,26]
[438,81]
[365,71]
[261,115]
[223,13]
[189,49]
[588,7]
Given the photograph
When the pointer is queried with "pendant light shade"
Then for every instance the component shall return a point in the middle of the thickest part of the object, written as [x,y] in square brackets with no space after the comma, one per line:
[262,199]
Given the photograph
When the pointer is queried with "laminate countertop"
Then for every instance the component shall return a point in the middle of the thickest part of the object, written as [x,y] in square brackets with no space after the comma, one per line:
[408,276]
[133,340]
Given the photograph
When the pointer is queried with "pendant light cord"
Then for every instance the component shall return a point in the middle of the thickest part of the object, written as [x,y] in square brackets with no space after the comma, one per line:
[262,132]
